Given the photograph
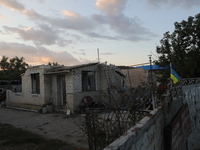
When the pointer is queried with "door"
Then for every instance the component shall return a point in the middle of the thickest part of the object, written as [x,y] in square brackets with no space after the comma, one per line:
[61,90]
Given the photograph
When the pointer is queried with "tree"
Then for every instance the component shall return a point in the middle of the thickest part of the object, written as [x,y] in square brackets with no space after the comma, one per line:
[54,64]
[181,48]
[13,68]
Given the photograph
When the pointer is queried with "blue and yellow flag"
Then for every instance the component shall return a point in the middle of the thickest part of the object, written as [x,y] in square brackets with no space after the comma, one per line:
[173,75]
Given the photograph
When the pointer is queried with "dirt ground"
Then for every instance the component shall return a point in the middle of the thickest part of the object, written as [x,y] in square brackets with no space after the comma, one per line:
[52,125]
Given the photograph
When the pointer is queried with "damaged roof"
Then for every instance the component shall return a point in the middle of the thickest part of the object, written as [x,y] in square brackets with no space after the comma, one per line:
[64,69]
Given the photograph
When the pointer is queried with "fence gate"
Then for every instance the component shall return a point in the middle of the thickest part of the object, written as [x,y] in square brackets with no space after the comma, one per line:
[103,126]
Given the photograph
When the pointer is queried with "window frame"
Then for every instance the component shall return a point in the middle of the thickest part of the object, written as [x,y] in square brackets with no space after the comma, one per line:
[88,81]
[35,83]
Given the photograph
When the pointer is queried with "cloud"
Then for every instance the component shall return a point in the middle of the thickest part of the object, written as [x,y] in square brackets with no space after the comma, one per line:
[13,4]
[174,3]
[107,53]
[111,6]
[123,27]
[85,60]
[71,20]
[1,16]
[37,55]
[41,1]
[45,35]
[111,25]
[99,35]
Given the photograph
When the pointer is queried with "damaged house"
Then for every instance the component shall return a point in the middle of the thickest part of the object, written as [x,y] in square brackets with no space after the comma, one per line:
[65,87]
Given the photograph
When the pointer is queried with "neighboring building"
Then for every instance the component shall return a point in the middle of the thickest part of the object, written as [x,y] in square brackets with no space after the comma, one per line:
[141,75]
[65,87]
[135,77]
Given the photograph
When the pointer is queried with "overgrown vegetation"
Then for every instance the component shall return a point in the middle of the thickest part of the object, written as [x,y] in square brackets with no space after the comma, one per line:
[105,125]
[12,138]
[181,48]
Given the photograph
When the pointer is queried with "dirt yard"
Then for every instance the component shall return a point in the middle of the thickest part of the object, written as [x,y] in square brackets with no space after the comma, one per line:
[52,125]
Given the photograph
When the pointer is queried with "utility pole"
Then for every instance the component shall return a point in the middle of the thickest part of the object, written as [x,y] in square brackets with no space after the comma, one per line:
[98,55]
[151,82]
[150,70]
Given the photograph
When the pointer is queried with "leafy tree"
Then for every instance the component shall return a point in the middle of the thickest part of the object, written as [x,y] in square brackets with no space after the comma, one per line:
[181,49]
[13,68]
[54,64]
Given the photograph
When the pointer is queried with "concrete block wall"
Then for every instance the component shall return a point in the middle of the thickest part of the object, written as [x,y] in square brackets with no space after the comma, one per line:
[103,78]
[78,97]
[69,83]
[53,91]
[74,86]
[148,134]
[103,73]
[26,96]
[77,77]
[145,135]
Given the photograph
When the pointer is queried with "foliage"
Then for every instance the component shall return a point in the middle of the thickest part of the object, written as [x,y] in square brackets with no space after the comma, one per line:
[54,64]
[105,125]
[13,68]
[181,49]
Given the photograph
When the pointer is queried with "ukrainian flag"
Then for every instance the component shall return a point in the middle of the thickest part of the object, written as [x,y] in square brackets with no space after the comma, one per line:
[173,75]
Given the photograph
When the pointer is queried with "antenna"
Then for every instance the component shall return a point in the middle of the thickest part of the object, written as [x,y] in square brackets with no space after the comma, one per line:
[98,55]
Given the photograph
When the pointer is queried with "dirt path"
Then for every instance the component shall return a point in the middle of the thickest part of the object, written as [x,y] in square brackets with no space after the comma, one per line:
[54,125]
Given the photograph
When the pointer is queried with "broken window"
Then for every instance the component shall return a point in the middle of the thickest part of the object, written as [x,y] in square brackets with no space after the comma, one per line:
[88,81]
[35,81]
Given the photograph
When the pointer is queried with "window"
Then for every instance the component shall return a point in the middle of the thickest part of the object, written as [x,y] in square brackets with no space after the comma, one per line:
[1,90]
[88,81]
[35,81]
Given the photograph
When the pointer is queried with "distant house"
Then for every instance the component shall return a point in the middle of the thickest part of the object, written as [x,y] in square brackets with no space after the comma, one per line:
[140,75]
[65,87]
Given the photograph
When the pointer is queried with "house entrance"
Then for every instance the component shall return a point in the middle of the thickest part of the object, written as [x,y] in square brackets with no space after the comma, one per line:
[61,90]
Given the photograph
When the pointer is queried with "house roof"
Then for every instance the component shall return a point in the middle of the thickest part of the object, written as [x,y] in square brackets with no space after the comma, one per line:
[148,67]
[64,69]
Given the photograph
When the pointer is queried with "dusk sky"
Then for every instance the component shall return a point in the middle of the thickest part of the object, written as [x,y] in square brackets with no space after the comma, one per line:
[70,31]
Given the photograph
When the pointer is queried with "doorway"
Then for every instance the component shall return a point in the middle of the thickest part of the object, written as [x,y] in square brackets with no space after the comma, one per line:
[61,90]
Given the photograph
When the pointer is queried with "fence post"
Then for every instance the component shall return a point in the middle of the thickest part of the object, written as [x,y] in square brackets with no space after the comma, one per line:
[89,128]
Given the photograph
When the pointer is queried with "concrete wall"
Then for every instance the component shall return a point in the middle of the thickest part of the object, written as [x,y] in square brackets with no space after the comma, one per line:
[26,97]
[148,134]
[192,98]
[50,86]
[104,75]
[145,135]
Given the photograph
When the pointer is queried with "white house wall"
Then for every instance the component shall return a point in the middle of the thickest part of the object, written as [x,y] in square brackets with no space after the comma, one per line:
[105,75]
[25,97]
[74,94]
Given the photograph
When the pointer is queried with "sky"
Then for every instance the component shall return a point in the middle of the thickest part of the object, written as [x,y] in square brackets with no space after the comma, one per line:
[72,32]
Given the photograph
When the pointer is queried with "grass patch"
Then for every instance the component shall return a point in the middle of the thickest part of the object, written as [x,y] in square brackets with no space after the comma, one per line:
[19,139]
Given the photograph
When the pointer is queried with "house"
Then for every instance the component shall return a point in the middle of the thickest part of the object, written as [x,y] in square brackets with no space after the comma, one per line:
[140,75]
[64,87]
